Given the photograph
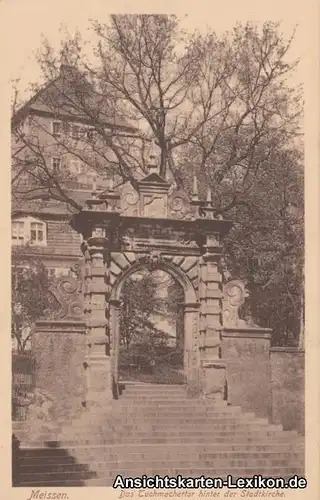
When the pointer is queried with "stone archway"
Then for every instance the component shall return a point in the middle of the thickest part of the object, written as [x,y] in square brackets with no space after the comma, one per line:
[191,307]
[156,226]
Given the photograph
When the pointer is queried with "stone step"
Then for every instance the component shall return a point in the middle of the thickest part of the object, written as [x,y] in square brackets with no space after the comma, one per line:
[42,477]
[164,421]
[215,436]
[148,396]
[156,463]
[162,399]
[160,449]
[102,482]
[109,482]
[168,426]
[181,401]
[168,412]
[63,482]
[133,456]
[168,439]
[163,416]
[156,425]
[159,431]
[156,429]
[153,390]
[215,431]
[134,384]
[160,413]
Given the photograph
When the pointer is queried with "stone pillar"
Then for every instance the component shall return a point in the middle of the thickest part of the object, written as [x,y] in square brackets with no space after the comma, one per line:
[191,350]
[98,360]
[213,367]
[114,324]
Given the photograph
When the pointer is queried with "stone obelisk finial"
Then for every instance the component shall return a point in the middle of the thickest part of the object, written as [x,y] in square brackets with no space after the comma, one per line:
[153,157]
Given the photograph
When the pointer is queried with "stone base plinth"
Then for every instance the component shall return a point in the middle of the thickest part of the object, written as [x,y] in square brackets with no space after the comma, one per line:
[59,347]
[99,381]
[246,351]
[214,379]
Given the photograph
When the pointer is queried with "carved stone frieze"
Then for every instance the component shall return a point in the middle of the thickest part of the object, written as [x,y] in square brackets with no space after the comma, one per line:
[176,205]
[158,238]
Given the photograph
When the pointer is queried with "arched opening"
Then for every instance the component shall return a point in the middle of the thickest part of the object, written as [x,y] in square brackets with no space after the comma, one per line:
[151,329]
[185,333]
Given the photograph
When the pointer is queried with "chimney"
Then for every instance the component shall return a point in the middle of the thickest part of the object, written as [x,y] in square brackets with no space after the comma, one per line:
[68,72]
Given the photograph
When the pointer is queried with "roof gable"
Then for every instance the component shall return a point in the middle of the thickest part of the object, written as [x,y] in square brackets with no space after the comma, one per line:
[72,95]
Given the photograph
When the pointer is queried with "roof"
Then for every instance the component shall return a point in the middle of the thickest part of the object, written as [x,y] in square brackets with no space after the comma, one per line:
[72,95]
[51,207]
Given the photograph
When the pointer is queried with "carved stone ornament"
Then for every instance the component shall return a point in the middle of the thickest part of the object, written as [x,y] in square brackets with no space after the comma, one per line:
[174,206]
[78,272]
[152,260]
[67,290]
[179,206]
[234,295]
[129,200]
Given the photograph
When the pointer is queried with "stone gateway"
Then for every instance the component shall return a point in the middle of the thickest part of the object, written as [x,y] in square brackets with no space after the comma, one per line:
[232,389]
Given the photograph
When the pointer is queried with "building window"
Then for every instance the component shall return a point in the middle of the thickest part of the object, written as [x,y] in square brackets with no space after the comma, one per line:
[57,129]
[18,232]
[75,167]
[75,131]
[29,230]
[56,163]
[92,179]
[37,232]
[78,131]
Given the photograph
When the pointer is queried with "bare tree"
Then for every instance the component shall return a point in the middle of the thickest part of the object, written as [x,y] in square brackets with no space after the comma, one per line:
[218,100]
[217,106]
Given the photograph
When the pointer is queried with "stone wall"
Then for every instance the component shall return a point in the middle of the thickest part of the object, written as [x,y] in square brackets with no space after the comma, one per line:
[246,353]
[287,382]
[59,349]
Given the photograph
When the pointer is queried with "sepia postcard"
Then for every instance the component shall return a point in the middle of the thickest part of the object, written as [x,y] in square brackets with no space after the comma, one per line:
[160,238]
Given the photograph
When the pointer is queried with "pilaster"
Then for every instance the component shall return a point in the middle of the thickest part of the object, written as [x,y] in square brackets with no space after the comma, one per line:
[191,348]
[210,294]
[114,324]
[98,361]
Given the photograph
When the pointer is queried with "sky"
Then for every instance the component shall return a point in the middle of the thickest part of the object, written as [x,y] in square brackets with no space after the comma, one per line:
[24,22]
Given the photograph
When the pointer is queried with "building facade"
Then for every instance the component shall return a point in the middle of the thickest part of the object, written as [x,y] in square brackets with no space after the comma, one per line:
[53,150]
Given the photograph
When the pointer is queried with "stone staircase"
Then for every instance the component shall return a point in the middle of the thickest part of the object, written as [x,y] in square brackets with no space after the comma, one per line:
[155,429]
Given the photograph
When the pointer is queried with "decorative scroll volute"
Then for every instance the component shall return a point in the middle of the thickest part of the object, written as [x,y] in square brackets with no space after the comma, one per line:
[68,291]
[234,295]
[179,206]
[129,201]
